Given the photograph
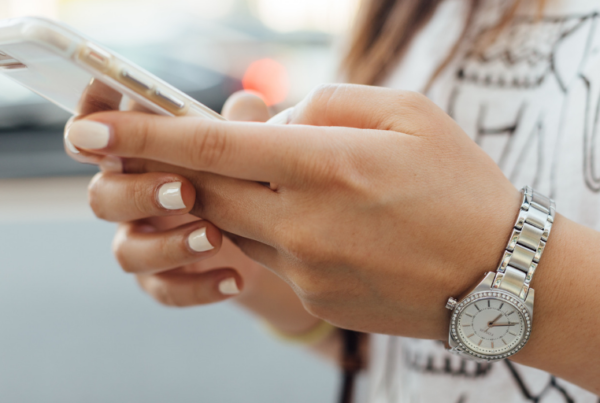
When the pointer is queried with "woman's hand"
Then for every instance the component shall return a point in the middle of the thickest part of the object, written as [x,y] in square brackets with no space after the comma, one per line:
[373,224]
[177,259]
[376,214]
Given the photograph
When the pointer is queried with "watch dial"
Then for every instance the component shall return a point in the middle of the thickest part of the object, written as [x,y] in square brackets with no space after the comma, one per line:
[491,324]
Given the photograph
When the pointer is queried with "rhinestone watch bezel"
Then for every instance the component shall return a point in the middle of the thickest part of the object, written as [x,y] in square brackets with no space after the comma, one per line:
[502,296]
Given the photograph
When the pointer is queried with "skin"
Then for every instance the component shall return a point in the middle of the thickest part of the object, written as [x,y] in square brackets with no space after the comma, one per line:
[151,242]
[380,208]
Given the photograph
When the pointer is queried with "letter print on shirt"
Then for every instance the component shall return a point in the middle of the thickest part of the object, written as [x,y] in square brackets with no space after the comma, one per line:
[534,88]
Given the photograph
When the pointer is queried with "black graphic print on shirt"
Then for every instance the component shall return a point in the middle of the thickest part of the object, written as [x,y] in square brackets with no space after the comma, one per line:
[450,366]
[531,58]
[531,99]
[530,396]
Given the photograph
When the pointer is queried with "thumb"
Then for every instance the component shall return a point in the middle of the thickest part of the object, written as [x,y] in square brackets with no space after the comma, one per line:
[363,107]
[244,106]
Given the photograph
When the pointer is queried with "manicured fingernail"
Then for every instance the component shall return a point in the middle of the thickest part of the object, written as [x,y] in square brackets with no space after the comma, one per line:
[87,134]
[70,145]
[229,287]
[169,196]
[111,164]
[199,242]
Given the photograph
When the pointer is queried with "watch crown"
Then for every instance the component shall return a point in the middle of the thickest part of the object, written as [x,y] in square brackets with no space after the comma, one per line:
[451,304]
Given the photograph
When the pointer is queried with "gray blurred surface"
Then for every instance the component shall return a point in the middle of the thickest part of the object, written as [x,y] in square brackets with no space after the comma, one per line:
[37,152]
[74,328]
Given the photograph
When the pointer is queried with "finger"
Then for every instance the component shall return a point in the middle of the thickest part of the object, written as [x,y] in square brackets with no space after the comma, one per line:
[283,117]
[253,151]
[241,207]
[111,164]
[364,107]
[119,197]
[139,248]
[264,254]
[178,289]
[82,156]
[170,222]
[98,97]
[245,106]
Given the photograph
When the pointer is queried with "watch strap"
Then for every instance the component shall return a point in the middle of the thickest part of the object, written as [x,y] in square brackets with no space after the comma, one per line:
[526,244]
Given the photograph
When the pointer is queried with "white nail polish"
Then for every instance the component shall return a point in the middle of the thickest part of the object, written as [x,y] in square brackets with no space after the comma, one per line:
[70,145]
[169,196]
[87,134]
[111,164]
[229,287]
[199,242]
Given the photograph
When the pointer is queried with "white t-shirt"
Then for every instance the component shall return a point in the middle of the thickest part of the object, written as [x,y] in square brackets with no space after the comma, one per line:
[532,102]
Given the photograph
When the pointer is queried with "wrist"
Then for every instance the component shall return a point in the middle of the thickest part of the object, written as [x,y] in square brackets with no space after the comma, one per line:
[274,302]
[567,318]
[493,321]
[555,297]
[482,250]
[487,244]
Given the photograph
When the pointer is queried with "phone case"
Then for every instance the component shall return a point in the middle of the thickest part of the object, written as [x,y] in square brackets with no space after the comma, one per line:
[83,77]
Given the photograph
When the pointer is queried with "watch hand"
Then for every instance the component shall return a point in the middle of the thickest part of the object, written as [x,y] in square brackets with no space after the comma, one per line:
[492,322]
[503,324]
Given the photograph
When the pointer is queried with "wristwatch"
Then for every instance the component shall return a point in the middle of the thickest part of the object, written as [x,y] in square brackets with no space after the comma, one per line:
[493,321]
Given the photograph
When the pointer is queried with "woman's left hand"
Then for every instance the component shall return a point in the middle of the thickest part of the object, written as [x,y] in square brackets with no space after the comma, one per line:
[380,206]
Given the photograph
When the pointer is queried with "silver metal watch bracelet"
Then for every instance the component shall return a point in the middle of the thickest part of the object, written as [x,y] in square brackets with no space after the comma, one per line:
[526,244]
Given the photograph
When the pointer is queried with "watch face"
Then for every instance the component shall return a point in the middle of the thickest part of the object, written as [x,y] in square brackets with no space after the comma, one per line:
[491,325]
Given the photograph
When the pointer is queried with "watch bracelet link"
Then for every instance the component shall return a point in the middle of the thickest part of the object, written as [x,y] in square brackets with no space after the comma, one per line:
[526,244]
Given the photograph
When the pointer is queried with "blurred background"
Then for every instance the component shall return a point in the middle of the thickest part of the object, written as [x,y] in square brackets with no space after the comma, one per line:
[206,48]
[74,327]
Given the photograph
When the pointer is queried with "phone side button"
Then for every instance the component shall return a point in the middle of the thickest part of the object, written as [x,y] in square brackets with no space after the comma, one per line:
[95,57]
[134,80]
[179,104]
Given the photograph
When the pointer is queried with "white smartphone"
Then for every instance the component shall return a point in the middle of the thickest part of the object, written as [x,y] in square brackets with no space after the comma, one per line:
[83,77]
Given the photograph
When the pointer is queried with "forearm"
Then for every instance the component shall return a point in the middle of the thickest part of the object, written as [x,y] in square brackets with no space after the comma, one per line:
[565,340]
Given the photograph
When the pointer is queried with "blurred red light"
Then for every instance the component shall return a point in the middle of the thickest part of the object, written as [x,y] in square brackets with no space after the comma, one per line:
[269,78]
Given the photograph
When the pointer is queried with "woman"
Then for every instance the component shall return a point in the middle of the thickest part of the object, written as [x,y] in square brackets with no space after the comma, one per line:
[378,206]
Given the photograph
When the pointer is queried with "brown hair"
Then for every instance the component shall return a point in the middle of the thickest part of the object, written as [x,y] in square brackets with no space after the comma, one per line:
[385,29]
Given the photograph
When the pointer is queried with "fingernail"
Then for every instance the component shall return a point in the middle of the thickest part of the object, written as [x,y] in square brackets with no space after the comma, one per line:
[229,287]
[87,134]
[169,196]
[70,145]
[111,164]
[199,242]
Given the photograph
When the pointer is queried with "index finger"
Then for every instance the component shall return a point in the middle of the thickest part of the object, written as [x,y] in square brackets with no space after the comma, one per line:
[251,151]
[96,97]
